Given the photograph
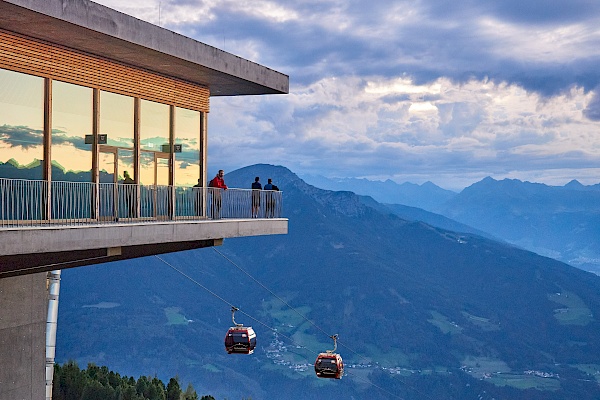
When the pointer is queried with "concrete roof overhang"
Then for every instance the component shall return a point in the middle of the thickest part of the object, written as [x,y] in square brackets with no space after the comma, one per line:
[90,27]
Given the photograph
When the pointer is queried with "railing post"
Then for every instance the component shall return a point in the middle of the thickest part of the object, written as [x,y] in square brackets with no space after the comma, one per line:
[172,207]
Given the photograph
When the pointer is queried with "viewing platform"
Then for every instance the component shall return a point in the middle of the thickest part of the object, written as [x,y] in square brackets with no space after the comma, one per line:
[49,225]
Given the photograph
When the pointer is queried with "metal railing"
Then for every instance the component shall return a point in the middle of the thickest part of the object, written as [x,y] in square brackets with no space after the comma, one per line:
[34,202]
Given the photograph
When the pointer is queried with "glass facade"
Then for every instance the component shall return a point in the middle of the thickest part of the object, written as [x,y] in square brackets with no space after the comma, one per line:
[75,164]
[22,134]
[154,134]
[72,113]
[21,125]
[117,123]
[187,163]
[116,119]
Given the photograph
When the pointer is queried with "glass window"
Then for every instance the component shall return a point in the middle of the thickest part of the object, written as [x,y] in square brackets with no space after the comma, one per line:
[162,171]
[187,134]
[72,113]
[124,163]
[21,125]
[116,120]
[154,134]
[107,164]
[147,168]
[154,125]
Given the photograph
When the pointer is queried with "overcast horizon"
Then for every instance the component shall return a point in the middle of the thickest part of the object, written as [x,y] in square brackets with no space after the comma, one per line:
[413,91]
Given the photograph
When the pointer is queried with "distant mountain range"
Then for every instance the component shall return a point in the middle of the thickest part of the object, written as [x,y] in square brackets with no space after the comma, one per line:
[427,196]
[561,222]
[421,312]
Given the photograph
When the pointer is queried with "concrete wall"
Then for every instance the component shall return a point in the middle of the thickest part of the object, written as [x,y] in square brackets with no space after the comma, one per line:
[24,307]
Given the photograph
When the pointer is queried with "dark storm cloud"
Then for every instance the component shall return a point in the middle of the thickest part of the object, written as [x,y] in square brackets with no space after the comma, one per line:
[21,136]
[528,12]
[444,41]
[543,11]
[60,137]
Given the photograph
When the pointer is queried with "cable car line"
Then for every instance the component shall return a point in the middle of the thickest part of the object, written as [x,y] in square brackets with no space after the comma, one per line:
[285,336]
[231,305]
[272,293]
[270,328]
[313,324]
[308,320]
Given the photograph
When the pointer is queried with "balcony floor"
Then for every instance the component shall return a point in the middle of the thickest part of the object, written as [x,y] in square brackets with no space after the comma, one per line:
[44,248]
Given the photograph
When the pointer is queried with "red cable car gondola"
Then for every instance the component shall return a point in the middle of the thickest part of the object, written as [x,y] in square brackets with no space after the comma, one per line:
[330,364]
[239,339]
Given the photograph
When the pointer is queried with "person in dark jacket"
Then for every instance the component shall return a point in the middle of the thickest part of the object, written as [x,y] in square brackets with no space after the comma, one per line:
[256,189]
[129,195]
[271,201]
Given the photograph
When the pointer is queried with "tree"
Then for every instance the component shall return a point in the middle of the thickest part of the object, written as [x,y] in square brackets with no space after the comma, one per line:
[173,389]
[99,383]
[97,391]
[190,393]
[143,386]
[69,382]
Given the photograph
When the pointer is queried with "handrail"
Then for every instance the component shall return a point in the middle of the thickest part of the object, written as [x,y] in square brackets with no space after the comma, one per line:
[38,202]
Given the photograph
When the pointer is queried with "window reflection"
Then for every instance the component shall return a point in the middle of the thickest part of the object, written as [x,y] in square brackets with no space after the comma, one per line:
[107,165]
[187,134]
[147,168]
[21,125]
[125,163]
[22,134]
[72,113]
[154,125]
[162,171]
[116,119]
[154,168]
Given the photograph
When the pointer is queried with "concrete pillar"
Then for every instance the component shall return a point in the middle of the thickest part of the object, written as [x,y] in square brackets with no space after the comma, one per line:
[23,309]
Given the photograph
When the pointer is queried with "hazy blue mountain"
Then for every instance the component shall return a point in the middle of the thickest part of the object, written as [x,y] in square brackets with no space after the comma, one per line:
[417,214]
[559,222]
[576,185]
[427,196]
[421,312]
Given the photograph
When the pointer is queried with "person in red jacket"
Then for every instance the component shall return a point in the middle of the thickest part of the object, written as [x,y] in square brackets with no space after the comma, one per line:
[216,184]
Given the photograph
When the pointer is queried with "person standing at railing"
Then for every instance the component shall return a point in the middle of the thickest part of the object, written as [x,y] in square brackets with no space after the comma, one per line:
[129,194]
[216,185]
[271,201]
[256,189]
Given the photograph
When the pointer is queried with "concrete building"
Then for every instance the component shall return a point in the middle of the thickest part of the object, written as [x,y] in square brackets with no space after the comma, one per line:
[103,156]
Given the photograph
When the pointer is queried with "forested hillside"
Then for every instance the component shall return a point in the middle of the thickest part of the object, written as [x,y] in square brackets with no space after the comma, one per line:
[99,383]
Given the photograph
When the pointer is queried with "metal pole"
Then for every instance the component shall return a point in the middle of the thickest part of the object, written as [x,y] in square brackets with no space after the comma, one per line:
[51,323]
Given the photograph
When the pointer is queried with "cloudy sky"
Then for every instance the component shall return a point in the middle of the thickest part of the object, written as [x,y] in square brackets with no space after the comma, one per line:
[410,90]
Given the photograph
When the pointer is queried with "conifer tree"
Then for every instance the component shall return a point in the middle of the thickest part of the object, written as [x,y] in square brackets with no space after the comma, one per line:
[173,389]
[190,393]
